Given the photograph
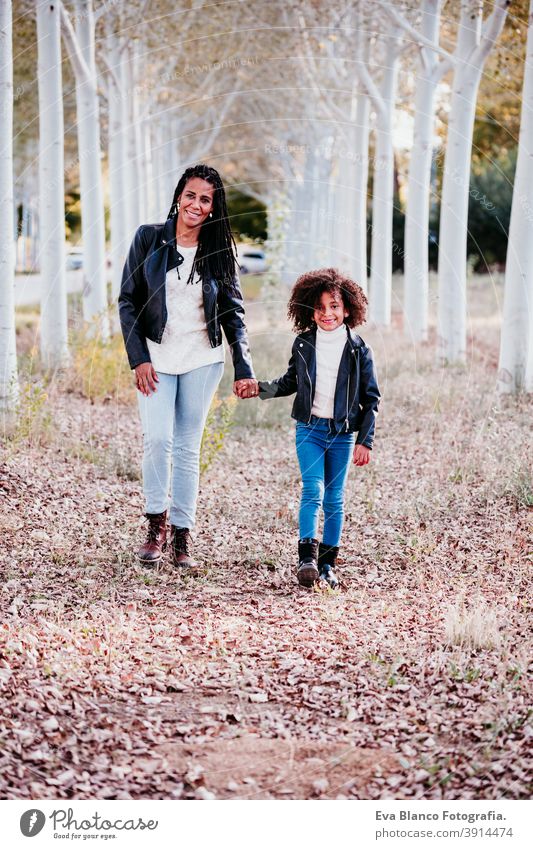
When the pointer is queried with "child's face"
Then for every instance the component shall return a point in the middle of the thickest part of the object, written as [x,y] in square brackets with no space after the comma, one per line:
[330,312]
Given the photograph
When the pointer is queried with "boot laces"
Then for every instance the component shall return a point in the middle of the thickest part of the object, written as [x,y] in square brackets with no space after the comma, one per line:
[181,540]
[154,529]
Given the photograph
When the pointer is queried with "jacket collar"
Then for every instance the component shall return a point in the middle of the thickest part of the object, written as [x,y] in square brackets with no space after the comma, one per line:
[168,237]
[168,234]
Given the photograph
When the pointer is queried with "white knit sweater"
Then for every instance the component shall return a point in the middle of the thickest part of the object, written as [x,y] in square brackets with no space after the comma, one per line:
[329,347]
[185,344]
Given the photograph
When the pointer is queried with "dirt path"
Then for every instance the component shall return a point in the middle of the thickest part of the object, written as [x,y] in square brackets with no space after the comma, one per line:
[236,683]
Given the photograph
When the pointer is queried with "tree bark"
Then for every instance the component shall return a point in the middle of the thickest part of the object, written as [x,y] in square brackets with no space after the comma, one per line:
[81,45]
[9,389]
[54,329]
[383,194]
[473,46]
[416,285]
[515,371]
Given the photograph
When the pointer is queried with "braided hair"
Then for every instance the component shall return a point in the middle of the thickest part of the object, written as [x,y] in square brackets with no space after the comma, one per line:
[215,255]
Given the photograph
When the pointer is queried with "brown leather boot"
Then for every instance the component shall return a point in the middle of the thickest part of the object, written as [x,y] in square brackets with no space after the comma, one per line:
[150,552]
[180,541]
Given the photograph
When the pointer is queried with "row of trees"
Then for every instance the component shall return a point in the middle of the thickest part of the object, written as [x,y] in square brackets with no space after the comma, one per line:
[298,102]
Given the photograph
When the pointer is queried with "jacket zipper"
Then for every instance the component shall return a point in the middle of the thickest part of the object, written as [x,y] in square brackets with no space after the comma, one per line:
[347,402]
[310,386]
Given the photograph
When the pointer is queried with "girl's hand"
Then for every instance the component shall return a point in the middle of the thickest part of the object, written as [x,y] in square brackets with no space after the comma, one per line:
[146,378]
[246,388]
[361,455]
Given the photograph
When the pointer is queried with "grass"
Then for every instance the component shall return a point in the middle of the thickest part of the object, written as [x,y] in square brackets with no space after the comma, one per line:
[251,285]
[472,625]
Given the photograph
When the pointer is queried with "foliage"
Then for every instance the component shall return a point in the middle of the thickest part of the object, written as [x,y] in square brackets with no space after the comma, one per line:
[247,215]
[272,291]
[32,423]
[489,209]
[217,426]
[100,369]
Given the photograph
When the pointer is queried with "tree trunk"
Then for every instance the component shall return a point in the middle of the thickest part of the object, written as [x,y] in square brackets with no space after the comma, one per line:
[148,171]
[54,332]
[416,279]
[471,53]
[117,168]
[382,201]
[135,134]
[451,328]
[131,220]
[9,390]
[89,150]
[360,191]
[515,372]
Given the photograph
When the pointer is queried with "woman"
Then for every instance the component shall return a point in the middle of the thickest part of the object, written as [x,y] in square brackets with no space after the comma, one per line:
[179,287]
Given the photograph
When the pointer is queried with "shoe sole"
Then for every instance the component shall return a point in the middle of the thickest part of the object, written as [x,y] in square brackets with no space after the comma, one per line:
[149,564]
[307,577]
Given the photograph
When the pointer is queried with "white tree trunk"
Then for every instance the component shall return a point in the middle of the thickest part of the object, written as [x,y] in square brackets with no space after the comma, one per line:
[148,171]
[131,220]
[8,356]
[135,133]
[92,201]
[451,340]
[515,372]
[292,243]
[54,332]
[471,54]
[320,212]
[359,264]
[305,220]
[383,195]
[418,187]
[161,166]
[177,156]
[117,168]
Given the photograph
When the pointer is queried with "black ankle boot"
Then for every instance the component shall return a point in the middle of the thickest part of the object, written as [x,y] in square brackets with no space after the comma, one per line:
[307,556]
[327,558]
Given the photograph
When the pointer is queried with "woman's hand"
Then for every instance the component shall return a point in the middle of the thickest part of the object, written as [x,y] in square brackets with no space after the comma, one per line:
[361,455]
[246,388]
[146,378]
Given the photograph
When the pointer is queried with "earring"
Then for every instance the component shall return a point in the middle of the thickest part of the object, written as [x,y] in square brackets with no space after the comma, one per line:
[210,215]
[178,206]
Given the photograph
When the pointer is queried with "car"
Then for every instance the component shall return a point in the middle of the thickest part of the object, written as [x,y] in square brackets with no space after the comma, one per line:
[74,259]
[251,259]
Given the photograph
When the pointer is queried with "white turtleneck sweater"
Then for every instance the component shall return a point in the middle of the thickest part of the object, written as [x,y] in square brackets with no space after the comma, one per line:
[329,347]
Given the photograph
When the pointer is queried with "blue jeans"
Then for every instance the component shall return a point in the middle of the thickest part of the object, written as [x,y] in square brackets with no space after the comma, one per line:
[173,420]
[324,457]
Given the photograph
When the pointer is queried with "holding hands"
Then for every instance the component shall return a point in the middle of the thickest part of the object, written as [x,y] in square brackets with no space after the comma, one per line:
[246,388]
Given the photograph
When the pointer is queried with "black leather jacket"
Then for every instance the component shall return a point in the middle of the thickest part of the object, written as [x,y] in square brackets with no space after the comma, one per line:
[142,304]
[357,395]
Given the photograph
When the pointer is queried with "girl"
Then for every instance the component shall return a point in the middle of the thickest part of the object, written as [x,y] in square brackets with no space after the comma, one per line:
[332,372]
[179,290]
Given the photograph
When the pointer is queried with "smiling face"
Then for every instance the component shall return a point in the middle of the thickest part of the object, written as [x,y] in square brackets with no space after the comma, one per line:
[196,202]
[329,311]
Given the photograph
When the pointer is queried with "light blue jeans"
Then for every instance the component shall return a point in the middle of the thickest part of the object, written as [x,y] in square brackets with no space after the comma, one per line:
[324,457]
[173,420]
